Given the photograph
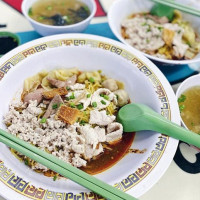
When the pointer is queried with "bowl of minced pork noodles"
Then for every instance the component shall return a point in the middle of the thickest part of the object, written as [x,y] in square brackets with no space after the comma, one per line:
[169,41]
[157,36]
[112,157]
[73,118]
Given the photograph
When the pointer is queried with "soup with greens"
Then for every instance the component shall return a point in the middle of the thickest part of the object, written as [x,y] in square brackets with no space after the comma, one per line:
[59,13]
[189,105]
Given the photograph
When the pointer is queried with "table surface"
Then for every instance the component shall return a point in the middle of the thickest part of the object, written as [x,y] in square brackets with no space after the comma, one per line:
[182,179]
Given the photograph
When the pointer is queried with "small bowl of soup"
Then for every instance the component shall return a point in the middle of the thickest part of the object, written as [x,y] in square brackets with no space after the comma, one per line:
[49,17]
[188,97]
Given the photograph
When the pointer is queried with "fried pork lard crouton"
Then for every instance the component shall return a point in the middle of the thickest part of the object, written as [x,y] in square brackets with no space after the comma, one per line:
[68,115]
[52,93]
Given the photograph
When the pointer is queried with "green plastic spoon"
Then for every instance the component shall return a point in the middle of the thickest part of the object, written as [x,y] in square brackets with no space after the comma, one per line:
[138,117]
[162,10]
[166,8]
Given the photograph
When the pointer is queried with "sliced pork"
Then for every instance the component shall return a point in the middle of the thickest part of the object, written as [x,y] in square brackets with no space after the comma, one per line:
[101,118]
[115,131]
[53,106]
[36,95]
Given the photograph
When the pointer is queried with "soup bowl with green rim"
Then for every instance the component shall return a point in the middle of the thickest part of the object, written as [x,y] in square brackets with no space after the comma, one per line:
[7,45]
[46,30]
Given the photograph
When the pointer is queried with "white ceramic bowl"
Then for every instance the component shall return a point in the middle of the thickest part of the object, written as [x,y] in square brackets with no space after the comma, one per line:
[185,85]
[121,9]
[45,30]
[135,173]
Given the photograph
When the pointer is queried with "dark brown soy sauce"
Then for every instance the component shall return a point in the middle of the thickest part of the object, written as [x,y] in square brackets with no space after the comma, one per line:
[7,43]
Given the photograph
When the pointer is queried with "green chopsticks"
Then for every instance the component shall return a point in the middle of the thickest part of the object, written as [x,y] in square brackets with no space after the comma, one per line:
[179,6]
[65,169]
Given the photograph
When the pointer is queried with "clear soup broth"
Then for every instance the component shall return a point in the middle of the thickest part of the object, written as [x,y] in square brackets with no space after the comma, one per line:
[189,105]
[59,12]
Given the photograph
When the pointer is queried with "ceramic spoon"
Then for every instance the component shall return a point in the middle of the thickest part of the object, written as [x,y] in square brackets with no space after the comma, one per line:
[138,117]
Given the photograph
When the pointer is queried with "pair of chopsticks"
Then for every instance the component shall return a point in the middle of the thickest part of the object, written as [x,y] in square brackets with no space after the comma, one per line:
[178,6]
[65,169]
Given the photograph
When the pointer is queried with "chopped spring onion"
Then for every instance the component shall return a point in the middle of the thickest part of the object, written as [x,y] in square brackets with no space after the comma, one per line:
[182,107]
[43,120]
[68,88]
[26,162]
[103,102]
[106,97]
[49,8]
[94,104]
[91,79]
[55,177]
[82,122]
[55,106]
[88,95]
[72,96]
[80,106]
[30,12]
[72,105]
[182,98]
[101,95]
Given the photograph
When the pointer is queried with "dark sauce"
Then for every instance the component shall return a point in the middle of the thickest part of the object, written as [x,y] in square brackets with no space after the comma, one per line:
[7,43]
[3,25]
[110,156]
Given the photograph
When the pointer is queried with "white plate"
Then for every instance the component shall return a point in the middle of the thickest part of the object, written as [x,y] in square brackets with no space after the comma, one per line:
[135,173]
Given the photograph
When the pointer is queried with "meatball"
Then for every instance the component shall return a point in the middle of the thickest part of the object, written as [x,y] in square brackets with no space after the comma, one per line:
[122,97]
[110,84]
